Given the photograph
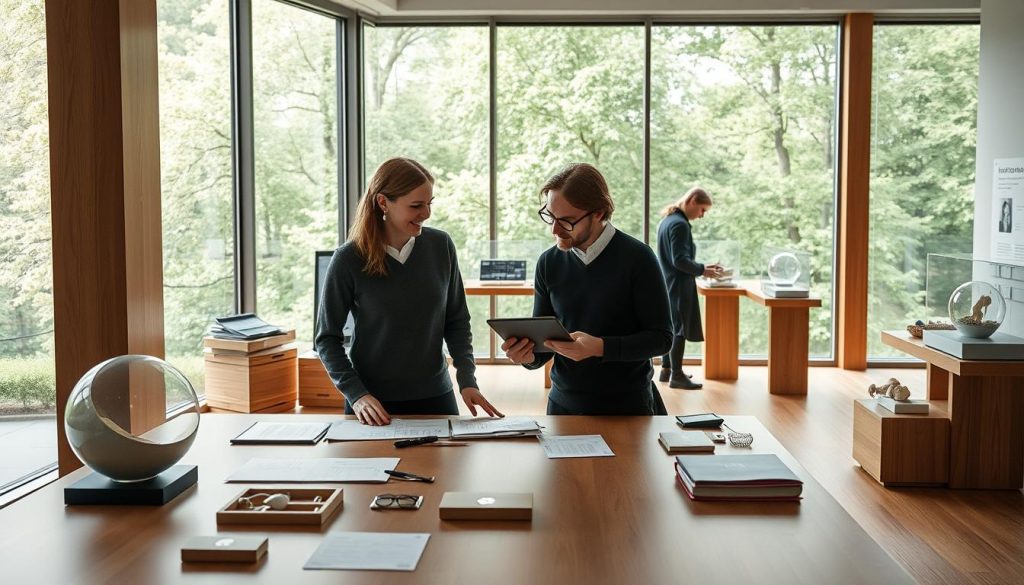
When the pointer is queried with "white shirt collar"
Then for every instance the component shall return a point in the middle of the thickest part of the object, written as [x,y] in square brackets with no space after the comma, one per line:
[597,247]
[404,254]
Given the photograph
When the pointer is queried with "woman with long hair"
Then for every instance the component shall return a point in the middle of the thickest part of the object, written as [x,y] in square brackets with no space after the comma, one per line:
[402,285]
[677,255]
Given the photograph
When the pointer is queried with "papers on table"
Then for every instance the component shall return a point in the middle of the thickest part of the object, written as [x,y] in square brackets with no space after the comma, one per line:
[353,430]
[486,428]
[382,551]
[315,470]
[575,446]
[282,433]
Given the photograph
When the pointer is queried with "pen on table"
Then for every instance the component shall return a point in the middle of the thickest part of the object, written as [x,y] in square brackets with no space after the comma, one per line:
[408,476]
[431,440]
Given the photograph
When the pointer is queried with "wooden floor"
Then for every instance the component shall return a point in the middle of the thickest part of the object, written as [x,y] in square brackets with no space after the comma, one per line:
[939,535]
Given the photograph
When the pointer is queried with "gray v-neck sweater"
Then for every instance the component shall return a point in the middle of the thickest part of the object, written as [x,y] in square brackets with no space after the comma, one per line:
[400,322]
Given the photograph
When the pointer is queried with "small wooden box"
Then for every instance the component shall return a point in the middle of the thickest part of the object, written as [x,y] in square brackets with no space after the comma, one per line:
[486,506]
[901,449]
[224,548]
[301,509]
[315,386]
[265,381]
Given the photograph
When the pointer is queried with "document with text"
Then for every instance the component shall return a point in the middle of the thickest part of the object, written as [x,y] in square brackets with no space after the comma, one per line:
[575,446]
[486,428]
[315,470]
[400,428]
[369,551]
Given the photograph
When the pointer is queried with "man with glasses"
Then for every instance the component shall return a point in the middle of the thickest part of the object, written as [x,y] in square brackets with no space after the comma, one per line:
[607,289]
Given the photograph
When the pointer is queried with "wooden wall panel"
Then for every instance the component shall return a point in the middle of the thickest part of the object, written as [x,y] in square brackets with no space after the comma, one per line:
[855,149]
[105,187]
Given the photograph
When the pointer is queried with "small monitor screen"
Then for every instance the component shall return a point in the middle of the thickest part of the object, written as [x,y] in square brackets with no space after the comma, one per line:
[503,270]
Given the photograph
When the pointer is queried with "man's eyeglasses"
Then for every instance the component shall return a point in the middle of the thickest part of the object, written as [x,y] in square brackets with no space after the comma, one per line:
[565,224]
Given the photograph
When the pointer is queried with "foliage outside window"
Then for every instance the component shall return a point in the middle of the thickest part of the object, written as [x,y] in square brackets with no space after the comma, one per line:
[295,81]
[923,138]
[196,180]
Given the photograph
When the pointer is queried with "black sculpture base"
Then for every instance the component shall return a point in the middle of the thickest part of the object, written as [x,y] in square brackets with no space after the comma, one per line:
[99,490]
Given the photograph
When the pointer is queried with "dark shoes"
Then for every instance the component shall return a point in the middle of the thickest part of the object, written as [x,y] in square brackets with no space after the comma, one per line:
[684,383]
[666,375]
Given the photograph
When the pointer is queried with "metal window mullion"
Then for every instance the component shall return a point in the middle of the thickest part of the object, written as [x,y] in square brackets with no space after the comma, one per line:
[647,132]
[242,155]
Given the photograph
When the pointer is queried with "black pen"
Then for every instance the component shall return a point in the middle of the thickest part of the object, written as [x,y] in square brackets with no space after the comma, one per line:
[416,441]
[408,476]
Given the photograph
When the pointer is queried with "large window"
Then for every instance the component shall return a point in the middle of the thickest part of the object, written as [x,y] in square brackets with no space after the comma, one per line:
[195,165]
[295,85]
[924,105]
[748,113]
[426,98]
[28,435]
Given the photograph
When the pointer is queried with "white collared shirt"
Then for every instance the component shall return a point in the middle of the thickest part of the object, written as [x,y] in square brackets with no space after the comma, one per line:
[404,254]
[597,247]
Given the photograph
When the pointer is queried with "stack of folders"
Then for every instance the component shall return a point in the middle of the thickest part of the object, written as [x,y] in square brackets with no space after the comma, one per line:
[755,477]
[492,428]
[686,442]
[246,326]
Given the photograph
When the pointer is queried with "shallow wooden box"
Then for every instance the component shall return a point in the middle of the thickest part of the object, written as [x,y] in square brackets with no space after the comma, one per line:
[901,449]
[301,509]
[315,386]
[262,382]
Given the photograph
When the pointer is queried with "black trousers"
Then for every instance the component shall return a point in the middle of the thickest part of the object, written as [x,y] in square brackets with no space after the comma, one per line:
[674,358]
[657,406]
[443,404]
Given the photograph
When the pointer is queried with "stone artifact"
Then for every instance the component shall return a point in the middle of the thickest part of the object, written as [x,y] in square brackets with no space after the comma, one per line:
[893,389]
[917,329]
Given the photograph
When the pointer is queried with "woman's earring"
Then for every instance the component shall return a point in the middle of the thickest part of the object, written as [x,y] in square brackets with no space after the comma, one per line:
[384,217]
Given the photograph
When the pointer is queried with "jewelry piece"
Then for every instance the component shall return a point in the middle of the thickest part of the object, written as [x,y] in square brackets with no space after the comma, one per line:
[384,217]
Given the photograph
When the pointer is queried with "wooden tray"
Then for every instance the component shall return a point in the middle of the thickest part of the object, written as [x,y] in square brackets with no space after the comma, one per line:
[301,509]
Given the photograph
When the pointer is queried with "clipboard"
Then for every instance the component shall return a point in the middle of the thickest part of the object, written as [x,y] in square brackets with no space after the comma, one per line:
[538,329]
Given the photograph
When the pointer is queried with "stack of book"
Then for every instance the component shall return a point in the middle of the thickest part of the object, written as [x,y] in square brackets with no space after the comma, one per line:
[724,280]
[755,477]
[686,442]
[250,365]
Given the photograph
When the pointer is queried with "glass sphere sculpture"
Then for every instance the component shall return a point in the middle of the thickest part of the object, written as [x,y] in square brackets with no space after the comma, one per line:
[976,309]
[784,269]
[132,417]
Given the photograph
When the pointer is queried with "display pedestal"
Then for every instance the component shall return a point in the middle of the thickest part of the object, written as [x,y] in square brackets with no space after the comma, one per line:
[777,291]
[96,489]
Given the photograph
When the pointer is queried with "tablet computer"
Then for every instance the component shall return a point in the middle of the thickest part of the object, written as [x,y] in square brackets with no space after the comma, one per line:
[538,329]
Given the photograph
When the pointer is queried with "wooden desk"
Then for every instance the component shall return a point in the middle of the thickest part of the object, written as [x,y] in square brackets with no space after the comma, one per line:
[473,287]
[986,414]
[721,331]
[788,337]
[618,519]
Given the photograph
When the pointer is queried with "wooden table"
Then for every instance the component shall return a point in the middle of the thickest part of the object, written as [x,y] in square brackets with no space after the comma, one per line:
[721,331]
[986,413]
[473,287]
[617,519]
[788,337]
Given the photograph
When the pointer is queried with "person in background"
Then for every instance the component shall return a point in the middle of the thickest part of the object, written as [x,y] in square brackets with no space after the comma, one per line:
[677,253]
[605,287]
[401,283]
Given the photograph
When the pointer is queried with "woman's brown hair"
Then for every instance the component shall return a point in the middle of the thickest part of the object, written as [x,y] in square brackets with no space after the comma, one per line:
[583,187]
[393,179]
[699,195]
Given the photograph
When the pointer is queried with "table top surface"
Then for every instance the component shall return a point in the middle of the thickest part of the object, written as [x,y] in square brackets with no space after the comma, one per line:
[755,294]
[473,287]
[603,520]
[905,342]
[720,291]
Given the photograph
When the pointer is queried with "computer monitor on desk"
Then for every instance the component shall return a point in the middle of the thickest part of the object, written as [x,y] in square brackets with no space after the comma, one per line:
[323,260]
[502,272]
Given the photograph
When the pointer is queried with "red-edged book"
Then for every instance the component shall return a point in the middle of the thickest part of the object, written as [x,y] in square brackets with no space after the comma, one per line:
[755,477]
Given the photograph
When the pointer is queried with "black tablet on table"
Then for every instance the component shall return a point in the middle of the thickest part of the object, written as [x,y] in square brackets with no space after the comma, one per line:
[538,329]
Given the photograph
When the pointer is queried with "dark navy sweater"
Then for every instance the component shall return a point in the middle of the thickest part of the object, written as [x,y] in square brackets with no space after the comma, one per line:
[400,322]
[620,297]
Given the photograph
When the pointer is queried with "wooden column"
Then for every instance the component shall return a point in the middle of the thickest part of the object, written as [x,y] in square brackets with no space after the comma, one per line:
[721,333]
[938,382]
[105,187]
[855,168]
[788,336]
[986,432]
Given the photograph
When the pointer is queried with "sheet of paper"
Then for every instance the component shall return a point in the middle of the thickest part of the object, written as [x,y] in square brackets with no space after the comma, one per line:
[315,470]
[575,446]
[379,551]
[282,432]
[484,427]
[353,430]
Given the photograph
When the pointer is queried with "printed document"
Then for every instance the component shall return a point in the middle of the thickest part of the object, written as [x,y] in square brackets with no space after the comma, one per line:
[315,470]
[483,428]
[353,430]
[380,551]
[575,446]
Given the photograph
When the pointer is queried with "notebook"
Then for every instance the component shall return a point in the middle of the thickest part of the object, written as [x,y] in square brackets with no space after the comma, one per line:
[760,476]
[707,420]
[686,442]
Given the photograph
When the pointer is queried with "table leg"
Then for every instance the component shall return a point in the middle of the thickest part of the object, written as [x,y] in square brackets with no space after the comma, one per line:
[721,338]
[938,383]
[788,335]
[986,441]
